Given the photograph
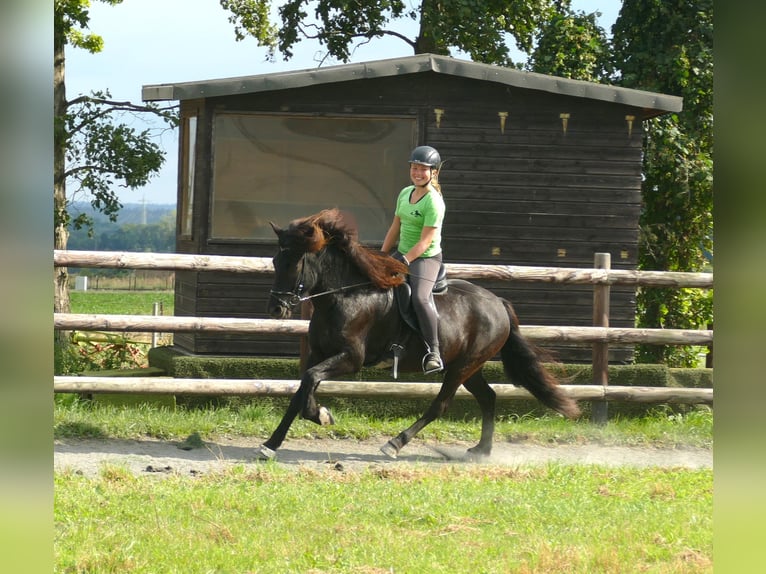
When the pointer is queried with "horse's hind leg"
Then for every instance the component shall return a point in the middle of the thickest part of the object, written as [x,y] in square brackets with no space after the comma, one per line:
[437,408]
[477,385]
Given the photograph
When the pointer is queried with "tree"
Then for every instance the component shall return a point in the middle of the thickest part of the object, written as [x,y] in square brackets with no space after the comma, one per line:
[660,46]
[572,45]
[93,151]
[667,46]
[480,28]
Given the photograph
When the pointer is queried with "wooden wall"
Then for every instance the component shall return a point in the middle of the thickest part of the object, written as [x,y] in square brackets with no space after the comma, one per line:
[531,195]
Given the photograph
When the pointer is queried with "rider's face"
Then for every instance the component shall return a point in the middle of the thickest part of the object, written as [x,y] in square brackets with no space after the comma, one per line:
[420,174]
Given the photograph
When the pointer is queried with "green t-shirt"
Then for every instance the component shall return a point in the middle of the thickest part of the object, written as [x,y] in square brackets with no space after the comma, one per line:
[428,212]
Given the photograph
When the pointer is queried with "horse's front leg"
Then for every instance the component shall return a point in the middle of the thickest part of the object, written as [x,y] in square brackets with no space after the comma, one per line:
[313,411]
[304,401]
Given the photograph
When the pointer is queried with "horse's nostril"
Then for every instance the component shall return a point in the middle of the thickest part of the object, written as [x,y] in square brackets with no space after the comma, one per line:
[279,312]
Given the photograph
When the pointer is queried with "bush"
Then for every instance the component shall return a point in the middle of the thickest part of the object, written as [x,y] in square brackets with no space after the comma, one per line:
[113,352]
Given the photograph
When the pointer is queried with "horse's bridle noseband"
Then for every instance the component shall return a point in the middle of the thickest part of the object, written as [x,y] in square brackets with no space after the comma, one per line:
[292,298]
[287,298]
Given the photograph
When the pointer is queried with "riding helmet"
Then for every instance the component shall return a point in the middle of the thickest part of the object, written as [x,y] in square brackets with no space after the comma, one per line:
[426,155]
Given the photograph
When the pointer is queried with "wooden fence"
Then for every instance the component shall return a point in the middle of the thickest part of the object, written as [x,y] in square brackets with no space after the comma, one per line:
[600,335]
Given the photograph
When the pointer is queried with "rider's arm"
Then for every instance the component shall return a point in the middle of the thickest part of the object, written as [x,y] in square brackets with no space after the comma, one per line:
[392,236]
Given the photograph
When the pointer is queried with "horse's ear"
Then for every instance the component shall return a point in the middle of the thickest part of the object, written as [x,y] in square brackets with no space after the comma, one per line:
[276,228]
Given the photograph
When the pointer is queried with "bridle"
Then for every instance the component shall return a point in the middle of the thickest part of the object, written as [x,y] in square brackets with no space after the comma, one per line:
[292,298]
[295,297]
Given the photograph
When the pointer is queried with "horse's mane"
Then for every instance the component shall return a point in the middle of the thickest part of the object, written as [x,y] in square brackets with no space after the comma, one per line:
[338,228]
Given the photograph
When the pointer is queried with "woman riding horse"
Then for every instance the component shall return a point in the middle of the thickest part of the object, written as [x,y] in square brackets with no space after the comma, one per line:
[356,320]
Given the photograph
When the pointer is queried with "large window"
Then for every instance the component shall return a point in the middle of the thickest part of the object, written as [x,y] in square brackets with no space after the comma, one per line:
[281,167]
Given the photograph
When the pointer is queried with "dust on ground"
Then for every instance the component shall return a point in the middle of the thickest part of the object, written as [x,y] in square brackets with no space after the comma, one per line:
[163,457]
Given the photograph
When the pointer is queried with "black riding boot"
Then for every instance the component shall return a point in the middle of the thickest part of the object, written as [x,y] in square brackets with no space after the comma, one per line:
[432,361]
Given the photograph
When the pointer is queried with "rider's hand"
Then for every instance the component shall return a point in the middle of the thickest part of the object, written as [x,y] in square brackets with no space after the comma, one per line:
[400,257]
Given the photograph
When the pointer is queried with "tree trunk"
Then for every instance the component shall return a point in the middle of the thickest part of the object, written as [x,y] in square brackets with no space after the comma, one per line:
[428,41]
[60,231]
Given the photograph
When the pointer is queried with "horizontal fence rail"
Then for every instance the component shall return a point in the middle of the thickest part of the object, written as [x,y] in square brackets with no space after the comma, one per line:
[351,389]
[601,279]
[571,275]
[538,333]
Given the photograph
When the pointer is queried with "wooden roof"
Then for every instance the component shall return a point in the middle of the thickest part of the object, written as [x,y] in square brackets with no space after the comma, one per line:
[652,103]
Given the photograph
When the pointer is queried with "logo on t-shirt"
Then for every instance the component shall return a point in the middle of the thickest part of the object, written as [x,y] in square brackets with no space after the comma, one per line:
[416,213]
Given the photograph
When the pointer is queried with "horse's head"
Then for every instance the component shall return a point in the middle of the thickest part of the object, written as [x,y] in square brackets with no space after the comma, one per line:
[303,238]
[288,271]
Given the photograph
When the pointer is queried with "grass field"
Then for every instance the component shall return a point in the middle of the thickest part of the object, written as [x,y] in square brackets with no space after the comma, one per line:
[267,518]
[120,302]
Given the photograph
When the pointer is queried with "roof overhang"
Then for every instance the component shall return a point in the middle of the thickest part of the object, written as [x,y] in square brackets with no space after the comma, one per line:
[652,103]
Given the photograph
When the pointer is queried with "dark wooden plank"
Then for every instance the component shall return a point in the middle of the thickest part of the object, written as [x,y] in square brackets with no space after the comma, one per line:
[531,195]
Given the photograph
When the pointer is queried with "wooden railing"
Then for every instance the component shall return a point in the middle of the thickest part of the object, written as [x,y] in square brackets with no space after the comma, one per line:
[600,335]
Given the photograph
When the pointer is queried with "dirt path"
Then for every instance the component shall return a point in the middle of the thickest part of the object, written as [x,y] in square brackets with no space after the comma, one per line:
[88,456]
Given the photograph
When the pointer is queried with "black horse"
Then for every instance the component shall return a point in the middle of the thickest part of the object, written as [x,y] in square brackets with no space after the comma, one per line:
[355,322]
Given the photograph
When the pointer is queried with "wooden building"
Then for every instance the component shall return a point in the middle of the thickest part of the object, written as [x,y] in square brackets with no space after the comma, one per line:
[538,170]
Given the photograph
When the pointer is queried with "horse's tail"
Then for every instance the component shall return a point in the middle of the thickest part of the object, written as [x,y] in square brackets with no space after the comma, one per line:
[523,366]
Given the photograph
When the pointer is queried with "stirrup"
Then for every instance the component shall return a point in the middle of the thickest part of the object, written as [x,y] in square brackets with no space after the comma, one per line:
[432,363]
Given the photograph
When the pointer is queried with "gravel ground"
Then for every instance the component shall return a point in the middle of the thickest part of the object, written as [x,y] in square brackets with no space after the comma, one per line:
[147,456]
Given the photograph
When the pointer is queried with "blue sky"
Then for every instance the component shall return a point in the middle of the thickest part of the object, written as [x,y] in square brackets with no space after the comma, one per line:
[166,41]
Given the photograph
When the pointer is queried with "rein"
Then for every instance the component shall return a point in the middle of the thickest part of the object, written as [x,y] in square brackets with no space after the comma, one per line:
[294,297]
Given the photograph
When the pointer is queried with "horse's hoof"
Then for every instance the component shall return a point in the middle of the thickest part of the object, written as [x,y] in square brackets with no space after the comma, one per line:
[325,417]
[390,450]
[475,453]
[264,453]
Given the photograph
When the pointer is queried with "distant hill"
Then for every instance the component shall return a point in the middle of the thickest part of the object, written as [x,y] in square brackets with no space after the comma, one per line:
[139,227]
[130,213]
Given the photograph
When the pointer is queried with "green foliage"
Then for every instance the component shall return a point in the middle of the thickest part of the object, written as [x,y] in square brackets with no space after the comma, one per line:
[103,154]
[181,365]
[70,20]
[141,227]
[668,47]
[572,45]
[676,309]
[476,27]
[151,237]
[113,352]
[95,150]
[67,359]
[251,18]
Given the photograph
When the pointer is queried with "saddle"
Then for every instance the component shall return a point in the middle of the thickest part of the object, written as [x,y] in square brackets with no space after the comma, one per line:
[403,298]
[403,302]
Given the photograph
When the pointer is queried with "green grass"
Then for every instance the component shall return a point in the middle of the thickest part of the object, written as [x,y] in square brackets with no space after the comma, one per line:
[266,519]
[257,418]
[120,302]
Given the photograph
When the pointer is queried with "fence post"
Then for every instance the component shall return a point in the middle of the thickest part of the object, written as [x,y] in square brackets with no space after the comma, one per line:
[599,413]
[156,310]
